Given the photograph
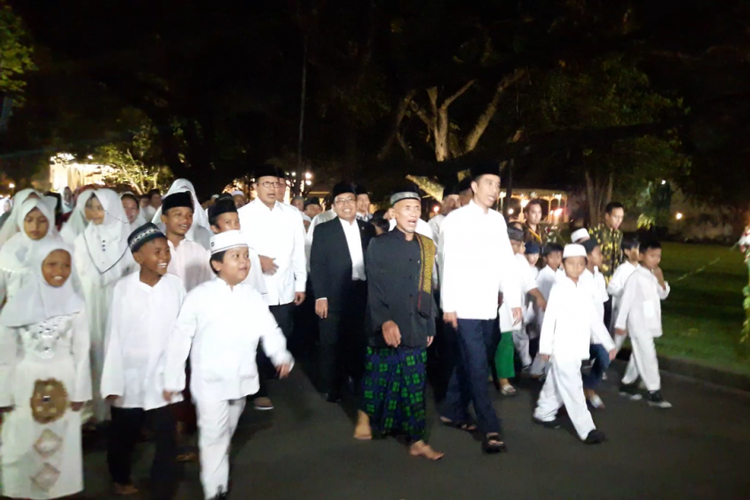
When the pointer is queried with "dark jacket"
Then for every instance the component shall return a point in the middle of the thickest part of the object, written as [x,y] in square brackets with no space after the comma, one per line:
[393,289]
[331,264]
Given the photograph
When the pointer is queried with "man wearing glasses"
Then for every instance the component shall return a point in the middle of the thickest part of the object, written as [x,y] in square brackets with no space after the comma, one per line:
[275,231]
[337,270]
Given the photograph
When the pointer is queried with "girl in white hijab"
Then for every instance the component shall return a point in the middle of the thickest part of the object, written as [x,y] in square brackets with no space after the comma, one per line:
[44,378]
[35,223]
[10,218]
[133,211]
[77,221]
[102,257]
[200,232]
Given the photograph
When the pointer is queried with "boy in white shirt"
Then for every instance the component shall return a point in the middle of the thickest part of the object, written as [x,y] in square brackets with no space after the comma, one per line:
[640,317]
[145,306]
[616,285]
[531,252]
[222,351]
[570,321]
[598,288]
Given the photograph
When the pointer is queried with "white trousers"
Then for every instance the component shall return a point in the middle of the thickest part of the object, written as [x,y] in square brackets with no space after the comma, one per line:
[217,421]
[564,386]
[644,363]
[521,342]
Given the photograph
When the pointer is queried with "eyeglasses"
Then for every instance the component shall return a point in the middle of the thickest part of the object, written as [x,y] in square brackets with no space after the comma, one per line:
[342,201]
[269,184]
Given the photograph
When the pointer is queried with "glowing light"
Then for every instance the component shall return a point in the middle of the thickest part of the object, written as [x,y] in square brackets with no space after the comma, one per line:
[524,202]
[308,175]
[502,194]
[11,185]
[308,183]
[436,209]
[90,157]
[294,174]
[558,196]
[510,211]
[663,182]
[678,216]
[558,212]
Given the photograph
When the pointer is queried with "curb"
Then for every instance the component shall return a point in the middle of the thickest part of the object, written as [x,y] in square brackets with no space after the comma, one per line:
[697,371]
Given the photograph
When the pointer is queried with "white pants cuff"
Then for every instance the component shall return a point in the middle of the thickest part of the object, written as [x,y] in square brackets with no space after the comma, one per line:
[564,387]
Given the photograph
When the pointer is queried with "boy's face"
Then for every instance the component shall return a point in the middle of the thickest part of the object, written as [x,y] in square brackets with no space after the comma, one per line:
[554,260]
[56,268]
[518,246]
[131,208]
[178,220]
[239,200]
[235,267]
[154,256]
[595,257]
[533,258]
[574,267]
[651,258]
[631,254]
[228,221]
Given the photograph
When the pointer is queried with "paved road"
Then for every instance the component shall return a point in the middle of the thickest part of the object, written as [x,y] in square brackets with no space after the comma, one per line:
[304,450]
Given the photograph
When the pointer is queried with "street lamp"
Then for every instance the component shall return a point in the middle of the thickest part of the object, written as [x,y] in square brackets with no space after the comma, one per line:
[12,186]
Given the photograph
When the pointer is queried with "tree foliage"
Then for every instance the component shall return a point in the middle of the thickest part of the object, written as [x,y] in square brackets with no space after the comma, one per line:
[15,53]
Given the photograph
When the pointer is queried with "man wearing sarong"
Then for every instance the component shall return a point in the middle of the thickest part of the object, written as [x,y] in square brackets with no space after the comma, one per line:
[401,313]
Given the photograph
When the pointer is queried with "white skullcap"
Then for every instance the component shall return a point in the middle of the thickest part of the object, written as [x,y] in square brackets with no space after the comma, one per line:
[226,240]
[214,196]
[580,234]
[574,250]
[237,192]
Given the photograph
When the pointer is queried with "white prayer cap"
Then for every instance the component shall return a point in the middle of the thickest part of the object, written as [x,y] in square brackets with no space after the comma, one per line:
[574,250]
[237,192]
[226,240]
[580,234]
[214,196]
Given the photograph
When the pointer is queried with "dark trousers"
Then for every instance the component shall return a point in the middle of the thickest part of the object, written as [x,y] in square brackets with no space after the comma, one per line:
[284,316]
[477,340]
[124,432]
[343,342]
[608,312]
[600,356]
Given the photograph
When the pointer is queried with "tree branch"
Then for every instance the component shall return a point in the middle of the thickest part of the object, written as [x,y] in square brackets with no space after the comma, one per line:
[398,118]
[458,94]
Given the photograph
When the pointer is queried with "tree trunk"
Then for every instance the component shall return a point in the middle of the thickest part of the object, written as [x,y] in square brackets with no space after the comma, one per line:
[442,147]
[591,198]
[395,135]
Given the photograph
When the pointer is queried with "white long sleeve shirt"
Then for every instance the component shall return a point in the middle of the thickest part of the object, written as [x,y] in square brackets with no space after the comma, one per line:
[477,261]
[640,308]
[598,288]
[279,234]
[354,243]
[570,322]
[435,223]
[219,327]
[528,283]
[190,263]
[318,219]
[140,324]
[544,282]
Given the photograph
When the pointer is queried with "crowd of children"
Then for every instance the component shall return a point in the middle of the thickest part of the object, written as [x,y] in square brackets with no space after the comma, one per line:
[134,320]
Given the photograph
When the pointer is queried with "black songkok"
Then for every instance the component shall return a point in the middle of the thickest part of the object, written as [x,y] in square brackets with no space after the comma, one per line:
[143,235]
[221,206]
[485,169]
[341,188]
[515,234]
[268,171]
[312,201]
[183,199]
[359,189]
[589,245]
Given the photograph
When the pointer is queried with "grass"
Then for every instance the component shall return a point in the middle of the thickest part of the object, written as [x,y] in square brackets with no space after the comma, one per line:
[703,314]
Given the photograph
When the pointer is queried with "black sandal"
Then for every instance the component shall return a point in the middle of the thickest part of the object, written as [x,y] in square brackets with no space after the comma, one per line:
[461,426]
[491,443]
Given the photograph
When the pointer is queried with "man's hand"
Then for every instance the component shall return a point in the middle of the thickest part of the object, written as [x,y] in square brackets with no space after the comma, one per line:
[76,405]
[112,398]
[299,298]
[545,358]
[284,370]
[451,319]
[321,308]
[541,303]
[391,334]
[429,341]
[612,354]
[517,315]
[168,395]
[620,331]
[268,265]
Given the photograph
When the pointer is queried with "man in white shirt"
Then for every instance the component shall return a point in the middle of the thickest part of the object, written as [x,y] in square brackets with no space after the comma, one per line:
[189,259]
[276,233]
[477,263]
[337,271]
[363,203]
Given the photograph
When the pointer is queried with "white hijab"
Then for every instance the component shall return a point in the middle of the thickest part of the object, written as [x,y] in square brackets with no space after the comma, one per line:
[77,222]
[107,243]
[200,231]
[14,255]
[37,300]
[140,219]
[11,227]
